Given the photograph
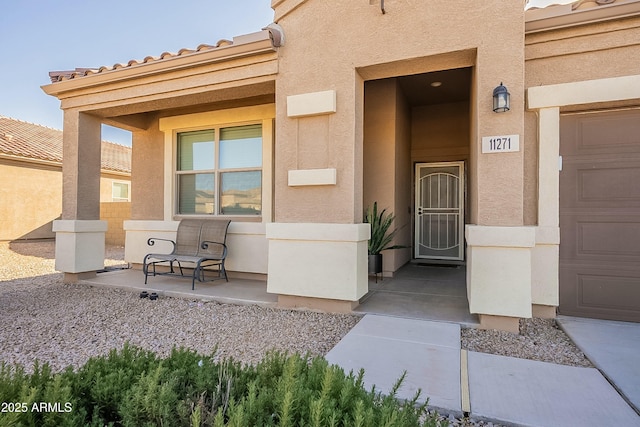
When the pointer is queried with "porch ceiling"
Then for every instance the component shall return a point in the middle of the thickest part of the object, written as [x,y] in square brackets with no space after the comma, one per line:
[141,115]
[455,86]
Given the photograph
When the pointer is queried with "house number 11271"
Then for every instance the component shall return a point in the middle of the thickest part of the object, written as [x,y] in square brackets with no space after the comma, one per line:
[501,144]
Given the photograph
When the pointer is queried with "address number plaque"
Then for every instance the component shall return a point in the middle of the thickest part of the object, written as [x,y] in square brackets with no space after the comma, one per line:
[500,144]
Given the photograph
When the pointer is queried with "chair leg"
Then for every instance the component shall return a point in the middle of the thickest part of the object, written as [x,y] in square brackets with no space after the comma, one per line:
[196,272]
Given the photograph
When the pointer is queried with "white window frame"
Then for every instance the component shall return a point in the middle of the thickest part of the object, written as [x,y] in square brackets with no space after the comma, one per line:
[119,199]
[217,171]
[172,126]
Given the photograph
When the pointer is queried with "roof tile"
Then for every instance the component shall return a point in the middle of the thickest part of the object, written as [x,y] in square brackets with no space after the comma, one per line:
[272,31]
[36,142]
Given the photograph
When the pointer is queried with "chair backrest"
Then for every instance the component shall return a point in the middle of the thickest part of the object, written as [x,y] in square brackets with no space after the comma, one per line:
[188,237]
[214,230]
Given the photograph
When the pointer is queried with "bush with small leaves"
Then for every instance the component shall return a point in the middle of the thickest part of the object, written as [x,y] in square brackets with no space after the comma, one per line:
[134,387]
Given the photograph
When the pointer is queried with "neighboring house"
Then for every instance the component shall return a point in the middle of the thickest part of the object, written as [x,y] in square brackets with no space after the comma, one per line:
[31,173]
[293,130]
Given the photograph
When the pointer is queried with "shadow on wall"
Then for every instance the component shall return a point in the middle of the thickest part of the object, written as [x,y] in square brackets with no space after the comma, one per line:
[42,232]
[114,213]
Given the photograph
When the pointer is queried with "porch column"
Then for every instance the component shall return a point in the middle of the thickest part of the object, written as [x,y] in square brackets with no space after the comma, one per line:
[80,235]
[317,243]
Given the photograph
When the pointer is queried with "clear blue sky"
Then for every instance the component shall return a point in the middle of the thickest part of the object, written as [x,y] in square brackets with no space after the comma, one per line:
[38,36]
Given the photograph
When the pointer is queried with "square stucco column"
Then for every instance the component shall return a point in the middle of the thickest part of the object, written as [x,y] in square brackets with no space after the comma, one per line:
[79,246]
[323,261]
[80,235]
[499,270]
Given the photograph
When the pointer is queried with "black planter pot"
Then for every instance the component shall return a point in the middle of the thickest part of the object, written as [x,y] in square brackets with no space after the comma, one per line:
[375,264]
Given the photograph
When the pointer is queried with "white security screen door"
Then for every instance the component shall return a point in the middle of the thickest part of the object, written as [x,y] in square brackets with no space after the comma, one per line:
[439,211]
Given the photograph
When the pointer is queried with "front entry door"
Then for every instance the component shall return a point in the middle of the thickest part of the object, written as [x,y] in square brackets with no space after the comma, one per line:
[439,222]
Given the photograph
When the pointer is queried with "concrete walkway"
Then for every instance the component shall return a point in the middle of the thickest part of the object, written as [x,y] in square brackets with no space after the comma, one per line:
[613,347]
[501,389]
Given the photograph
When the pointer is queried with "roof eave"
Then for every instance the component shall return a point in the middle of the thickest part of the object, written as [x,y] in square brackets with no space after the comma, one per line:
[563,16]
[250,45]
[19,158]
[58,164]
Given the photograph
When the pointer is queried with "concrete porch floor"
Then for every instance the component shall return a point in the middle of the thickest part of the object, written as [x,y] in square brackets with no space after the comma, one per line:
[235,291]
[421,291]
[415,291]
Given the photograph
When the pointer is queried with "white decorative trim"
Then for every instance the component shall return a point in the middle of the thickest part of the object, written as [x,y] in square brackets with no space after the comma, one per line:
[79,226]
[304,177]
[318,260]
[548,100]
[584,92]
[311,104]
[319,232]
[246,241]
[79,245]
[171,126]
[499,270]
[505,237]
[548,168]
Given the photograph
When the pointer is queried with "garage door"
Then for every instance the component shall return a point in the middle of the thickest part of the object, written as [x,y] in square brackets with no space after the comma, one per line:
[600,215]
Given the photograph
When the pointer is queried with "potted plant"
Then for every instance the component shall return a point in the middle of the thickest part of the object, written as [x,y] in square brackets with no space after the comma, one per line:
[381,237]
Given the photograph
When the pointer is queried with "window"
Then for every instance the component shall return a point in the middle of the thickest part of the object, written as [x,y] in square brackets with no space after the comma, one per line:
[119,191]
[219,171]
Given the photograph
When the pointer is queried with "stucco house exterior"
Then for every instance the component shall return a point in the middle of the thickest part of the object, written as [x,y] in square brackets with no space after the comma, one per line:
[31,176]
[293,130]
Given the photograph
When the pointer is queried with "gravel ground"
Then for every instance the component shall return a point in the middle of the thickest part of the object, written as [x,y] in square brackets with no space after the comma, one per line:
[66,324]
[539,339]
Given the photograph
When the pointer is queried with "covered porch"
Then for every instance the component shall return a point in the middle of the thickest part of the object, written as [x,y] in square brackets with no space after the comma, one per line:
[235,291]
[421,291]
[416,291]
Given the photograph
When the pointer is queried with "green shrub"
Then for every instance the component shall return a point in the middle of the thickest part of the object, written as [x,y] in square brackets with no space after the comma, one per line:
[133,387]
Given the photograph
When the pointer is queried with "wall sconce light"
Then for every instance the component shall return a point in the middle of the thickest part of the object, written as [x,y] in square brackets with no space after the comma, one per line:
[501,101]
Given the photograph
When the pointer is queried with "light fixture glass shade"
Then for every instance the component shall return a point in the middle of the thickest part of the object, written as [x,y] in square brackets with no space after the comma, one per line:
[501,101]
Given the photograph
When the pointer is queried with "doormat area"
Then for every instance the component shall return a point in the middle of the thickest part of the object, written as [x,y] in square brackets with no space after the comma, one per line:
[423,264]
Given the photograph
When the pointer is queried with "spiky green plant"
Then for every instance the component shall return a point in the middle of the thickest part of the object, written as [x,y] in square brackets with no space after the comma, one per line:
[380,223]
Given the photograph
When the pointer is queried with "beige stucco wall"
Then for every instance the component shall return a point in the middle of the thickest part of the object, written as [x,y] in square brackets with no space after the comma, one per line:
[31,197]
[587,52]
[106,185]
[441,133]
[387,165]
[412,37]
[396,137]
[115,213]
[147,183]
[402,179]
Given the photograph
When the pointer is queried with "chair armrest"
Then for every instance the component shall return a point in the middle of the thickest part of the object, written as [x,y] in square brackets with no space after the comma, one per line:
[205,245]
[152,241]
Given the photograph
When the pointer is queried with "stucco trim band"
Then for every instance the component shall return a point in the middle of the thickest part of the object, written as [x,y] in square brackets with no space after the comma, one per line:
[499,270]
[246,242]
[584,92]
[318,260]
[512,237]
[79,245]
[311,104]
[302,177]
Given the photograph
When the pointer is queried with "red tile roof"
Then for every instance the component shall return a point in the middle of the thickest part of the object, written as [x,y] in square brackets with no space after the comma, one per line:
[36,142]
[272,32]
